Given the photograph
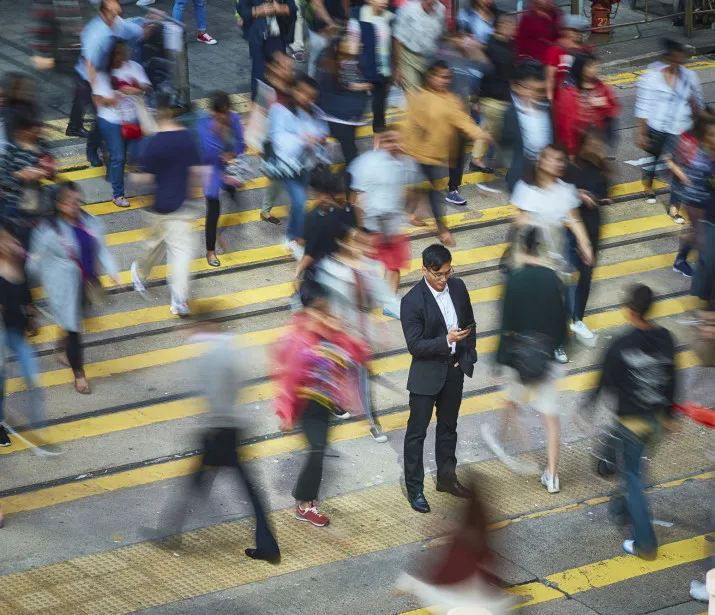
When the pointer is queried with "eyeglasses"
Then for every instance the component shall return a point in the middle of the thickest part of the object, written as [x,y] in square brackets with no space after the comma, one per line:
[442,276]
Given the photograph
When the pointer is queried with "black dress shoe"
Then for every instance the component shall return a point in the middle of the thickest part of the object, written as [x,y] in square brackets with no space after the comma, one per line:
[454,487]
[271,558]
[481,169]
[82,133]
[419,503]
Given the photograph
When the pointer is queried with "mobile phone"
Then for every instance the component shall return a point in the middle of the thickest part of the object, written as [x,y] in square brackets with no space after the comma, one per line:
[471,325]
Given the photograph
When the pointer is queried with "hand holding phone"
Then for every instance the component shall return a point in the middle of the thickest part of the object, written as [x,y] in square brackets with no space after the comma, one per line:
[468,327]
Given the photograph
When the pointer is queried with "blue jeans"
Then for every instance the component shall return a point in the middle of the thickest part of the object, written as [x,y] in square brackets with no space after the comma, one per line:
[17,342]
[296,187]
[199,12]
[631,448]
[116,147]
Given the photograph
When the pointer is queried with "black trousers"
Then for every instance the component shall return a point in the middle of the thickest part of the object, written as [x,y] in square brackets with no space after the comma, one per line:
[315,426]
[213,211]
[447,402]
[379,102]
[82,101]
[456,169]
[220,452]
[345,134]
[74,352]
[433,173]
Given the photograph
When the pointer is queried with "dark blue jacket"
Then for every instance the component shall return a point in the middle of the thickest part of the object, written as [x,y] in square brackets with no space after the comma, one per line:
[368,57]
[254,30]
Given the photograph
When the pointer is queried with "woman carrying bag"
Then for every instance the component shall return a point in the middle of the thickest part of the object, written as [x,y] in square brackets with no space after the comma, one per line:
[64,255]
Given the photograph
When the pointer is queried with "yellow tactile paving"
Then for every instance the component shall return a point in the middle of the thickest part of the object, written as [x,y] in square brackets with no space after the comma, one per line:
[207,560]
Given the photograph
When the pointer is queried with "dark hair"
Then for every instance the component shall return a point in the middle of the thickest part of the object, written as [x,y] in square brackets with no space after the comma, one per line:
[435,256]
[640,299]
[220,102]
[435,66]
[325,182]
[579,63]
[60,189]
[592,133]
[531,240]
[306,79]
[311,292]
[25,121]
[670,47]
[118,44]
[529,69]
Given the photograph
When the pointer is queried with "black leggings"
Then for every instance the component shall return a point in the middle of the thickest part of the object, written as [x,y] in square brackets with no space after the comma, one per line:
[74,352]
[379,102]
[345,134]
[213,211]
[315,426]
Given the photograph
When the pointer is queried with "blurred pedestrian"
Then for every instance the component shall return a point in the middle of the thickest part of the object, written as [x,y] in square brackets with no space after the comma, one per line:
[383,179]
[419,26]
[25,164]
[332,218]
[538,29]
[325,18]
[435,120]
[113,92]
[20,99]
[533,328]
[552,205]
[495,88]
[478,21]
[693,167]
[559,57]
[219,372]
[171,165]
[199,16]
[221,137]
[314,386]
[376,23]
[668,100]
[296,139]
[98,39]
[65,254]
[589,171]
[266,27]
[57,25]
[440,332]
[639,369]
[527,126]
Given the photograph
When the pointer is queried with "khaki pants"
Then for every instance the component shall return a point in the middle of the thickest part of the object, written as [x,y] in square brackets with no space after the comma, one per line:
[413,67]
[492,122]
[173,232]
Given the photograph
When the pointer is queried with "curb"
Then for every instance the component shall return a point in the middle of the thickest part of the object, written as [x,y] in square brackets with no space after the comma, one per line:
[647,58]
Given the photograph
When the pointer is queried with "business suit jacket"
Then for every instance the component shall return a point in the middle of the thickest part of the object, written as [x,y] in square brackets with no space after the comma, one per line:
[426,336]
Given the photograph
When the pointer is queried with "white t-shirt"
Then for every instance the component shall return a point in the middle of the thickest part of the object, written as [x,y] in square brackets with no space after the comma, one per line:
[548,209]
[129,73]
[383,178]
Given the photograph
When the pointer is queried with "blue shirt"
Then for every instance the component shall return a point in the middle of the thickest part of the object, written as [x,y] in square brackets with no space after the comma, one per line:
[472,22]
[98,40]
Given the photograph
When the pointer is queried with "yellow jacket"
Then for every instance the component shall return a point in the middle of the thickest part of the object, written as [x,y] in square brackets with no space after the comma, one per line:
[432,126]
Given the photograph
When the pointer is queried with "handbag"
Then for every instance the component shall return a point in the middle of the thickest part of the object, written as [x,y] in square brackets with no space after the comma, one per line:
[131,131]
[530,354]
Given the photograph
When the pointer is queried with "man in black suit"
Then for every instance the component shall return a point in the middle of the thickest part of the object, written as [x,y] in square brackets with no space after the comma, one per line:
[438,323]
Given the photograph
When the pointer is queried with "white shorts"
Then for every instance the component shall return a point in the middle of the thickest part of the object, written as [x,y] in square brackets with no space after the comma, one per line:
[544,393]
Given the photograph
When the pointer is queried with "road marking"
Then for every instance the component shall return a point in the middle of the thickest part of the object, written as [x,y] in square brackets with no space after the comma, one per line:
[51,496]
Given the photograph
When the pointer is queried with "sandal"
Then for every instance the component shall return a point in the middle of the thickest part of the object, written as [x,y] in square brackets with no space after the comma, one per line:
[81,385]
[415,221]
[212,260]
[447,239]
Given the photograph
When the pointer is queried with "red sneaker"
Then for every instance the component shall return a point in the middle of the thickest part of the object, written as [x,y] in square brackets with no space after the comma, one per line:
[311,515]
[205,37]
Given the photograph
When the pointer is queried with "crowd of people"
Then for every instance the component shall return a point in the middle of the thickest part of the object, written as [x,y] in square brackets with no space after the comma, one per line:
[523,89]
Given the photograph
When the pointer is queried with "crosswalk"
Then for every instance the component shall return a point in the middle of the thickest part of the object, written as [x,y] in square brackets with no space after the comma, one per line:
[128,439]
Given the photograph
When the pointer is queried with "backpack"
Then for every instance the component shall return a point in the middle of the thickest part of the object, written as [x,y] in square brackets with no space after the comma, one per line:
[530,354]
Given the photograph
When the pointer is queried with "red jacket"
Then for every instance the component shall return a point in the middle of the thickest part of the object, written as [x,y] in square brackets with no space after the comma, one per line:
[574,112]
[536,33]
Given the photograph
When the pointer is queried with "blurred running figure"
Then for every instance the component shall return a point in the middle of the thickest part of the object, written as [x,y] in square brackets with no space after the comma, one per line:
[639,368]
[171,164]
[533,328]
[220,375]
[668,100]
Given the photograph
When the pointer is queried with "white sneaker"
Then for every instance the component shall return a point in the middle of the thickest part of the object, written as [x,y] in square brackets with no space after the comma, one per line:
[295,248]
[629,546]
[579,328]
[550,482]
[145,2]
[180,309]
[650,200]
[137,281]
[698,591]
[560,355]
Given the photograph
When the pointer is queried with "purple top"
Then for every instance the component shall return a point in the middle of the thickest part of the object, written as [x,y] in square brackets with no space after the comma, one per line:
[86,253]
[213,145]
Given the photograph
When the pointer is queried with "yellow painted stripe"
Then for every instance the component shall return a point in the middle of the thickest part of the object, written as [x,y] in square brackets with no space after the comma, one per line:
[264,337]
[172,469]
[605,573]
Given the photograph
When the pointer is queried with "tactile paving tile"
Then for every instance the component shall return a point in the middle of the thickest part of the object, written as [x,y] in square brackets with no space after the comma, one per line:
[123,580]
[18,584]
[56,574]
[195,584]
[7,608]
[359,541]
[99,564]
[35,601]
[82,590]
[107,605]
[148,595]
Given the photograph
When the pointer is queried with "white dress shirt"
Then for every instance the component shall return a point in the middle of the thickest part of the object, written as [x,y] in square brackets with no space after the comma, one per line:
[444,301]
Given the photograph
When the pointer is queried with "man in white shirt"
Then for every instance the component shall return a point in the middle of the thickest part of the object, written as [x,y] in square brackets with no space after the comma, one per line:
[438,323]
[419,26]
[668,100]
